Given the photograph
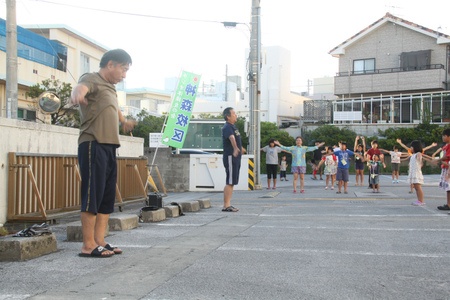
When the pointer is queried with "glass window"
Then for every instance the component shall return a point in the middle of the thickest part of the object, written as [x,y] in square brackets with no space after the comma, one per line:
[363,66]
[84,64]
[204,135]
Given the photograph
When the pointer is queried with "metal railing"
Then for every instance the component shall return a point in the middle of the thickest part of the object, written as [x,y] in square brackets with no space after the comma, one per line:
[391,70]
[45,187]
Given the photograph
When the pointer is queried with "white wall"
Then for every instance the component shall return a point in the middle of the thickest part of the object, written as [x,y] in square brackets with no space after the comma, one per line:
[31,137]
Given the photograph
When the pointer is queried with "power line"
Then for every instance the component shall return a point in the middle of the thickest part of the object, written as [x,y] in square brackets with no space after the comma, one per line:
[130,14]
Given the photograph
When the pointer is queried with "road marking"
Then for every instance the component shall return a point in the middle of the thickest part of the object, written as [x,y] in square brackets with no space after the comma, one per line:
[341,252]
[357,228]
[358,216]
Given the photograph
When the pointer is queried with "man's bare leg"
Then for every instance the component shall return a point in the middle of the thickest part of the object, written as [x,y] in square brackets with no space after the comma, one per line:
[100,229]
[88,226]
[227,192]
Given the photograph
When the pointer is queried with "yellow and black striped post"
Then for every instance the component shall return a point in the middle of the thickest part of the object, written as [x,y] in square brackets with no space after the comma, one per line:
[251,176]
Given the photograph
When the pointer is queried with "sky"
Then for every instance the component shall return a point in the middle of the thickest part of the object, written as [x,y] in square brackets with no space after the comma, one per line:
[162,45]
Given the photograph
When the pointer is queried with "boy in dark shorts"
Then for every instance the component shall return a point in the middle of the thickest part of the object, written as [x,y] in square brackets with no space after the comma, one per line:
[343,156]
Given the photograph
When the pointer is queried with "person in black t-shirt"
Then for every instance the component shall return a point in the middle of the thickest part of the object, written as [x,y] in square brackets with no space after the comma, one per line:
[317,159]
[232,152]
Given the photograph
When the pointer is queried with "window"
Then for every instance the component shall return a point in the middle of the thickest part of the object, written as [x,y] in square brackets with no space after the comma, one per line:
[416,60]
[135,103]
[84,64]
[363,66]
[28,115]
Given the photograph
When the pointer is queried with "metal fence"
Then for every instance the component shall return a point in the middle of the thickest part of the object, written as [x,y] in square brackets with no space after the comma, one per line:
[45,187]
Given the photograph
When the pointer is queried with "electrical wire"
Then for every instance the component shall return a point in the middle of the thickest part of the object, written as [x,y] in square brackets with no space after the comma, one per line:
[129,14]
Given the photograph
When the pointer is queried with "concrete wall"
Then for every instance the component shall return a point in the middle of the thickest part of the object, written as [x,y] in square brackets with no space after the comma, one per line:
[174,169]
[31,137]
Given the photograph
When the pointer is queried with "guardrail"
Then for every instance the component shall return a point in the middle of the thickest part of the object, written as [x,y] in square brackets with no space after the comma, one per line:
[46,187]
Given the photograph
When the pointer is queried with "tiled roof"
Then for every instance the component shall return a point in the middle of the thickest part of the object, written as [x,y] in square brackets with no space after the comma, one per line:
[392,18]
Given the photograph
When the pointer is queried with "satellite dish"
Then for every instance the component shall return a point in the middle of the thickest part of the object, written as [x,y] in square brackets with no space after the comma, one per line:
[49,102]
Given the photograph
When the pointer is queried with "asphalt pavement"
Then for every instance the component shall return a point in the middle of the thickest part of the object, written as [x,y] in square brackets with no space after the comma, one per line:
[280,245]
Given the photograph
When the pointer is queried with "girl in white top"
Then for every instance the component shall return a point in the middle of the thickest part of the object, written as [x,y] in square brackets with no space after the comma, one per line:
[415,176]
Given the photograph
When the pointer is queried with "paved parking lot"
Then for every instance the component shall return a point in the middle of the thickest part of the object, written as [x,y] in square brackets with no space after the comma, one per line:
[280,245]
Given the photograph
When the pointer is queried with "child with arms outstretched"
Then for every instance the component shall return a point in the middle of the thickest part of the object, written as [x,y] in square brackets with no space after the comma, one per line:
[330,161]
[298,167]
[444,159]
[415,176]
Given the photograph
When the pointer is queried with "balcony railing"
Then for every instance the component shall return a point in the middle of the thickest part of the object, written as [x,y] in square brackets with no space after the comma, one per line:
[391,70]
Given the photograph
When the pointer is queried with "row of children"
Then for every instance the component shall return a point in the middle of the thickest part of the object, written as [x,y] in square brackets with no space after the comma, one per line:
[336,161]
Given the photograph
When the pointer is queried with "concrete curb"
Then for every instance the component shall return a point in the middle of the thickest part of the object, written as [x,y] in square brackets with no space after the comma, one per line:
[121,221]
[22,248]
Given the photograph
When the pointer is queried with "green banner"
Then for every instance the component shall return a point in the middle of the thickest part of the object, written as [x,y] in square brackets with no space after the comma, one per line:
[181,110]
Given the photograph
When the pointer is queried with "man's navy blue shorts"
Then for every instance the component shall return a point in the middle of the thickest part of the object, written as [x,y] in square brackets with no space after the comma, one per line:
[232,166]
[98,168]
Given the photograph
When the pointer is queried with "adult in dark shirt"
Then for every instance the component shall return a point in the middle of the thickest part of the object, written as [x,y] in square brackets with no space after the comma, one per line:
[232,152]
[317,159]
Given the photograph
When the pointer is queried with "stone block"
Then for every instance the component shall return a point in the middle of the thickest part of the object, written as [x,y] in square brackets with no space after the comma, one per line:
[21,248]
[172,211]
[204,203]
[121,222]
[190,206]
[153,215]
[75,234]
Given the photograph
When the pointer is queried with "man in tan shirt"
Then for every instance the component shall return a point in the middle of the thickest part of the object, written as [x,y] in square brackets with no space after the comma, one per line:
[99,138]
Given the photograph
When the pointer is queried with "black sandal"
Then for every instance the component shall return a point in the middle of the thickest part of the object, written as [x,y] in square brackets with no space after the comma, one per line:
[444,207]
[113,249]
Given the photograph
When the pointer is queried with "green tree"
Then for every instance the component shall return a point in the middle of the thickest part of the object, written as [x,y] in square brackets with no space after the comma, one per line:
[426,133]
[146,123]
[240,125]
[67,115]
[206,116]
[331,135]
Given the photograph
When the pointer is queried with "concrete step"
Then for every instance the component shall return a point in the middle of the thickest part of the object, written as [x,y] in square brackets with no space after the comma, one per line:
[121,222]
[75,234]
[204,203]
[172,211]
[22,248]
[153,216]
[191,206]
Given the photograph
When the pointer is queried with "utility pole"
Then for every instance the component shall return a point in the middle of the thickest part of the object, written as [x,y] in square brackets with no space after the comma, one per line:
[11,60]
[226,83]
[255,91]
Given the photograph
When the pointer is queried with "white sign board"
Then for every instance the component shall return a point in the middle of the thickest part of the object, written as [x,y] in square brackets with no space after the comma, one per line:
[154,140]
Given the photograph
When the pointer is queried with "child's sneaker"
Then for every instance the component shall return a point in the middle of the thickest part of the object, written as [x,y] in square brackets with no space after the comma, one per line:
[332,187]
[326,188]
[397,181]
[303,191]
[393,181]
[418,203]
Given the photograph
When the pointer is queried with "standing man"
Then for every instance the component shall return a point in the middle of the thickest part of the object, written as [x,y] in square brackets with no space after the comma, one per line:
[232,152]
[99,138]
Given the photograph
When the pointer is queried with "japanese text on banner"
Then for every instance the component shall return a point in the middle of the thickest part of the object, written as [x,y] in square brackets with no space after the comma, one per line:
[181,110]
